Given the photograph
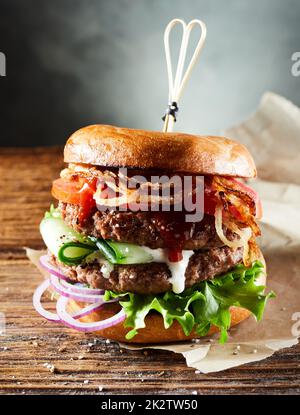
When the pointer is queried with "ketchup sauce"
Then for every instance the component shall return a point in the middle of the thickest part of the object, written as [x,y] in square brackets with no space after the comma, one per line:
[174,231]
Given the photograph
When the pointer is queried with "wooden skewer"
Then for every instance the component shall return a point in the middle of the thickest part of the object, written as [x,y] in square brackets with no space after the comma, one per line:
[176,86]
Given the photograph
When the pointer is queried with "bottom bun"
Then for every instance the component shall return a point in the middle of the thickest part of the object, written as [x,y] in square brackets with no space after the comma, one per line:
[154,332]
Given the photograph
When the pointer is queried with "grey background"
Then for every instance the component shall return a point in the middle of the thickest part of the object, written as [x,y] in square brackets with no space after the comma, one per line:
[71,63]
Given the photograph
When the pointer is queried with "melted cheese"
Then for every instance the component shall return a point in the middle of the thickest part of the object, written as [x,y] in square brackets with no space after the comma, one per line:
[177,269]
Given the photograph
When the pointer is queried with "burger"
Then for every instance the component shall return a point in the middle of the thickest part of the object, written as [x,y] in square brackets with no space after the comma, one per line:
[128,266]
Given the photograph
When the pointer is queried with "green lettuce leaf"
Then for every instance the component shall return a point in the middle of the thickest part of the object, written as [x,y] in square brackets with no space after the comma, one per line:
[52,213]
[201,306]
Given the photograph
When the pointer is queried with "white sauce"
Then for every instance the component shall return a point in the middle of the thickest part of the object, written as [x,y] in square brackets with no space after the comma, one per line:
[106,266]
[106,269]
[177,269]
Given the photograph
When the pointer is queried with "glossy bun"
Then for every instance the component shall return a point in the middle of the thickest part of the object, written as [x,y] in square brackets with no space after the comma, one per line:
[106,145]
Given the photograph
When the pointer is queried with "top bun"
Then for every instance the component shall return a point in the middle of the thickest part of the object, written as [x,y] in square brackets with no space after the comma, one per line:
[109,146]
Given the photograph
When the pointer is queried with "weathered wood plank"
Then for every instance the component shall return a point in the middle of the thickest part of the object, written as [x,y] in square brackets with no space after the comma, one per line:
[80,365]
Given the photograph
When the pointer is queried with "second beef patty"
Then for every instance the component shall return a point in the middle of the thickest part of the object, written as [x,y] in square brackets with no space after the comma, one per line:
[153,278]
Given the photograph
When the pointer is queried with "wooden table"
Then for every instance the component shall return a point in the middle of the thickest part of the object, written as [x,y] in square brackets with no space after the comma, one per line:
[39,357]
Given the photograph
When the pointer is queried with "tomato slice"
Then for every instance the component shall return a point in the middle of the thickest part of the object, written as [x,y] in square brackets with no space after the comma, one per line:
[78,191]
[67,191]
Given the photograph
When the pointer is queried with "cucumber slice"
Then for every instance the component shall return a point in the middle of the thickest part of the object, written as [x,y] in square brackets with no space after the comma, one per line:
[73,253]
[122,253]
[105,249]
[129,253]
[55,233]
[72,247]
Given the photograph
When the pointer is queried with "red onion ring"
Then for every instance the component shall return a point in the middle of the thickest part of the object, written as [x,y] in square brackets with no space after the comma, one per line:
[78,288]
[67,282]
[43,287]
[44,261]
[69,293]
[87,310]
[86,327]
[37,296]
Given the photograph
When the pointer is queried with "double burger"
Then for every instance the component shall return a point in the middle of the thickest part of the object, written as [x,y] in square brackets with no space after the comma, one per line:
[125,265]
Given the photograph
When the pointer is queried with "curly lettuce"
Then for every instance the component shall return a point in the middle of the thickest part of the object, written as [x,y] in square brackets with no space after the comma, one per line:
[52,213]
[205,304]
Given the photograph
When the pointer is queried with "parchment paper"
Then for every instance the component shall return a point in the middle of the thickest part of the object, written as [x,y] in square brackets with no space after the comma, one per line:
[272,135]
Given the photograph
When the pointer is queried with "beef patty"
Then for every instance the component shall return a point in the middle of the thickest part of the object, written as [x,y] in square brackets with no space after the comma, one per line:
[144,228]
[153,278]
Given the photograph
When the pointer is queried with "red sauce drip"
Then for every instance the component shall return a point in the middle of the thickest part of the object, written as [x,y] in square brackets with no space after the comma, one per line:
[174,231]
